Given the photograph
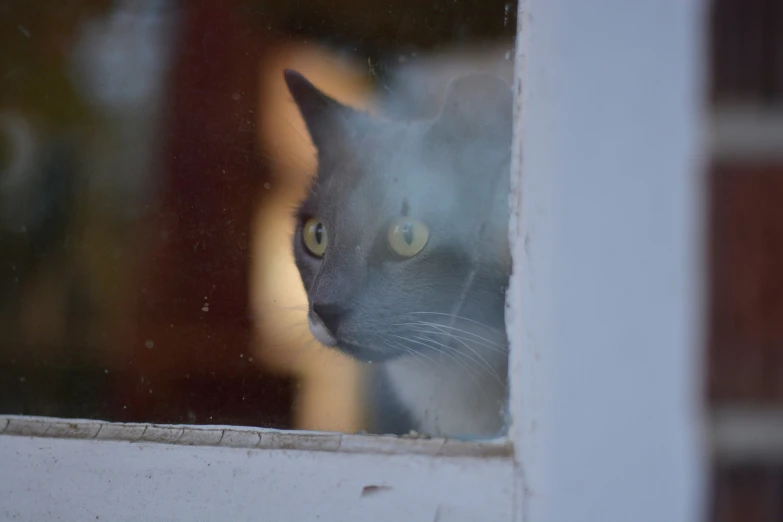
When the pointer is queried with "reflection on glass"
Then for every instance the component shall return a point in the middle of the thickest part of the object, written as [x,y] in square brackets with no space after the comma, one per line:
[152,161]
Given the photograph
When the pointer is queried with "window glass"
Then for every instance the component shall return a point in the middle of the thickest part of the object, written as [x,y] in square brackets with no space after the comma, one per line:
[189,235]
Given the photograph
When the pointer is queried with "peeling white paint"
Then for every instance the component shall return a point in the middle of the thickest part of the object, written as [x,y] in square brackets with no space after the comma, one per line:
[88,479]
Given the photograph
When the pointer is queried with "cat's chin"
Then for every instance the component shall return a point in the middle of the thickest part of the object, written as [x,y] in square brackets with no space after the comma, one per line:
[321,333]
[365,355]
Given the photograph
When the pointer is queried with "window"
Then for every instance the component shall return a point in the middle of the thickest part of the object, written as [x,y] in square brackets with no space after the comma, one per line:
[603,311]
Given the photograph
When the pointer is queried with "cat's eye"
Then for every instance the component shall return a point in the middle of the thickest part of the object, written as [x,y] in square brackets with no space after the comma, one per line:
[314,236]
[407,237]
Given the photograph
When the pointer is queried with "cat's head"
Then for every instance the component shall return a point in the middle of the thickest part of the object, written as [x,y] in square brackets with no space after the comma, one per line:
[402,240]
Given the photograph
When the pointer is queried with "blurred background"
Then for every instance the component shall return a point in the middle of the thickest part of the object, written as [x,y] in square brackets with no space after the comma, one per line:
[150,162]
[150,159]
[745,253]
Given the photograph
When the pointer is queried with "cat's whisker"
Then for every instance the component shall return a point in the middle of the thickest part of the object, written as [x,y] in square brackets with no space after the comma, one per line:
[409,351]
[461,318]
[477,339]
[479,360]
[467,332]
[452,357]
[418,352]
[463,341]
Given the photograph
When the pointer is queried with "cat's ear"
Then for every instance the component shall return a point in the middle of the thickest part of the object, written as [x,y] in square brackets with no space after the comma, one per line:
[326,118]
[477,108]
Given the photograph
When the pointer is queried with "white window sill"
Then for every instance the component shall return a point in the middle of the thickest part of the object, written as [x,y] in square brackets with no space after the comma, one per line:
[251,438]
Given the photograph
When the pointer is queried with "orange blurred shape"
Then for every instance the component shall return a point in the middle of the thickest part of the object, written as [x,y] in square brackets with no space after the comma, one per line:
[329,398]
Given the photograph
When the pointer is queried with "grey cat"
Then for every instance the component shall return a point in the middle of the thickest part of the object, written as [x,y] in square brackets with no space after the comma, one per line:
[402,246]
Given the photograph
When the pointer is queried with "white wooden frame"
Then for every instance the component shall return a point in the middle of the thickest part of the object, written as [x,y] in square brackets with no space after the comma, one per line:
[604,319]
[607,347]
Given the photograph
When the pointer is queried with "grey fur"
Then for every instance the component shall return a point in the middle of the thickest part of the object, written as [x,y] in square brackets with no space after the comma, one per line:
[435,320]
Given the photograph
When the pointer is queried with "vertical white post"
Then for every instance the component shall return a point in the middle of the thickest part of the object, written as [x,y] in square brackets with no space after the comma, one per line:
[606,297]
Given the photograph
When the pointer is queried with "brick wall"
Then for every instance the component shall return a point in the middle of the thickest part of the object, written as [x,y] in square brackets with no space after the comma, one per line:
[745,337]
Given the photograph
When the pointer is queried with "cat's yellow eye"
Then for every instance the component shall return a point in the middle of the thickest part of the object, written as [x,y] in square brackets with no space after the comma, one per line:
[314,236]
[407,237]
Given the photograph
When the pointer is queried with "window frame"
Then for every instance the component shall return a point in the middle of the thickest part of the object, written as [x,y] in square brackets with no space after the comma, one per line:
[75,469]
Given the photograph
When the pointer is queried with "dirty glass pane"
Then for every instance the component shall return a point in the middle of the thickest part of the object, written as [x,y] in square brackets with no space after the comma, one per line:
[153,159]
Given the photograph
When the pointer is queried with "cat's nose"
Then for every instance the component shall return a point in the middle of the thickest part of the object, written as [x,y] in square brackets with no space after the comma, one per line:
[329,314]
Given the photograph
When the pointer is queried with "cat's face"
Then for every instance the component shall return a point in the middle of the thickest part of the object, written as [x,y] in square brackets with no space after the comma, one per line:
[402,240]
